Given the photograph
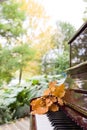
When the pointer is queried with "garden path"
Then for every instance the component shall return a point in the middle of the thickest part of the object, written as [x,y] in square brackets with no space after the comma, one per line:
[20,124]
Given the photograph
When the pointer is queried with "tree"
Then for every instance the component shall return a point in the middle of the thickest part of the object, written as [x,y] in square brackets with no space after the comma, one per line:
[22,54]
[36,19]
[64,31]
[67,30]
[7,65]
[55,62]
[11,21]
[62,63]
[12,60]
[15,54]
[39,32]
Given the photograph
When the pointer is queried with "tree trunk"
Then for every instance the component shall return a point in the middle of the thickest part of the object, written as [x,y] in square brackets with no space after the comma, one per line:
[20,75]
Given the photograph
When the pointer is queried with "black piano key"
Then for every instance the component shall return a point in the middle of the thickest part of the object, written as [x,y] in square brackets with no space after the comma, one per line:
[60,121]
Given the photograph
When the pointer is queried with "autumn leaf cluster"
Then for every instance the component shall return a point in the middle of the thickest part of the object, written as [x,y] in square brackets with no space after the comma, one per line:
[50,100]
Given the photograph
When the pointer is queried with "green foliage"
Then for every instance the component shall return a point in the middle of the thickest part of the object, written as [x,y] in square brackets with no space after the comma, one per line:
[60,60]
[13,59]
[11,10]
[6,64]
[21,105]
[11,18]
[55,63]
[24,53]
[7,97]
[5,115]
[62,63]
[22,111]
[14,102]
[67,30]
[11,99]
[11,27]
[64,32]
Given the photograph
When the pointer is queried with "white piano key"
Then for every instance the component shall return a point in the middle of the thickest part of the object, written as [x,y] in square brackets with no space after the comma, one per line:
[43,122]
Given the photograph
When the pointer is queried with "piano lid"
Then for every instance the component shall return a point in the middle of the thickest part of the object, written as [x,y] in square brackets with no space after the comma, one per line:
[78,46]
[77,73]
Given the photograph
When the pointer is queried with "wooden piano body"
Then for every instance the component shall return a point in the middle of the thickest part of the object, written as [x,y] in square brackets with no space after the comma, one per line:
[73,115]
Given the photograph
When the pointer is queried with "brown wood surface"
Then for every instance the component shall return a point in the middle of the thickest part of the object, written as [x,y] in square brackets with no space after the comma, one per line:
[20,124]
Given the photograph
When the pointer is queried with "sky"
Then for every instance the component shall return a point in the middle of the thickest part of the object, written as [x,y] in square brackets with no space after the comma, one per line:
[65,10]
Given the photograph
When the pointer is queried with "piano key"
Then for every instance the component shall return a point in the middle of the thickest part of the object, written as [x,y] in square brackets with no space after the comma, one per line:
[43,123]
[60,121]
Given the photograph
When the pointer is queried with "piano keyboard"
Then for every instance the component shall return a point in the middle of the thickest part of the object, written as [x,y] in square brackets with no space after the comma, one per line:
[55,121]
[59,121]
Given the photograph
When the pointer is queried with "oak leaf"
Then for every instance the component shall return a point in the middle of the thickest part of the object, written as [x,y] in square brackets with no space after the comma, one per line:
[40,110]
[60,102]
[54,107]
[52,97]
[52,86]
[59,91]
[46,92]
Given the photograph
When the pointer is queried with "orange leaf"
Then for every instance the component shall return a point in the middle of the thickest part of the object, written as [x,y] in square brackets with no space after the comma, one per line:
[46,92]
[52,86]
[53,98]
[52,83]
[45,103]
[48,102]
[40,110]
[60,101]
[54,107]
[59,91]
[37,103]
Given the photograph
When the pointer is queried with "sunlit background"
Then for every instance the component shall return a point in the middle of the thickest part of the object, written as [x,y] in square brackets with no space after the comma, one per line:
[65,10]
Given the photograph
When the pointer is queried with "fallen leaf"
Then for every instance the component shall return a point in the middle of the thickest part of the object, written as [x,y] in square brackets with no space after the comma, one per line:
[54,107]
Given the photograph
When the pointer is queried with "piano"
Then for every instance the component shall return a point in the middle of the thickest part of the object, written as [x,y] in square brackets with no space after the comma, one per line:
[73,114]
